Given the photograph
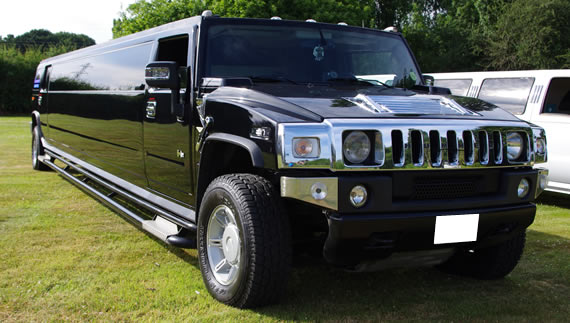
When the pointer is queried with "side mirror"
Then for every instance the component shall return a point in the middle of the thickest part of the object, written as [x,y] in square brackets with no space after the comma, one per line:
[162,75]
[429,80]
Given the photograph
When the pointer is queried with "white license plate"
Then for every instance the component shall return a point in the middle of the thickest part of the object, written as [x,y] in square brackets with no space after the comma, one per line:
[456,228]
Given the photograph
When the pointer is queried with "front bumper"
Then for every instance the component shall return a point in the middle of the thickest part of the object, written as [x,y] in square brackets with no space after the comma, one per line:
[355,238]
[401,213]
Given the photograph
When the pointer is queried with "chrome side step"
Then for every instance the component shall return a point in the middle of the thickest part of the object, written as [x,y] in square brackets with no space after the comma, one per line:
[160,228]
[165,226]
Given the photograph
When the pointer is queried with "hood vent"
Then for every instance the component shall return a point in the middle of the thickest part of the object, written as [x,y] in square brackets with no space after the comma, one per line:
[410,105]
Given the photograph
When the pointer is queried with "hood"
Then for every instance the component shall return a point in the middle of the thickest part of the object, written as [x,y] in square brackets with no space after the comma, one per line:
[326,102]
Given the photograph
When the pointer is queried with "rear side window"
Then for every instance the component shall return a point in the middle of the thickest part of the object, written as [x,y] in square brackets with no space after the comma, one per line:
[510,94]
[558,96]
[457,87]
[121,70]
[37,80]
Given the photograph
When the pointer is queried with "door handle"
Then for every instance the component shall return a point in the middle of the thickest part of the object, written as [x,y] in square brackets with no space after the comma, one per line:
[151,109]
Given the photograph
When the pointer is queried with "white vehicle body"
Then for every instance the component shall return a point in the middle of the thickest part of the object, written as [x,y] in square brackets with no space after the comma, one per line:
[540,96]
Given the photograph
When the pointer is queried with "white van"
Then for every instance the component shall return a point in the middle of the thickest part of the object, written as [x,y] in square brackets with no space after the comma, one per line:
[541,97]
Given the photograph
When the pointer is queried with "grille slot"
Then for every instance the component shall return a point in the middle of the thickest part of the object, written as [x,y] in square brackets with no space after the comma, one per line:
[483,148]
[497,148]
[442,189]
[435,148]
[468,147]
[452,150]
[397,148]
[417,148]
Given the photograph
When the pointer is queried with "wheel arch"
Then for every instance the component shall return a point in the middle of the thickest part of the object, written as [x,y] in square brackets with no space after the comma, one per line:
[35,121]
[240,155]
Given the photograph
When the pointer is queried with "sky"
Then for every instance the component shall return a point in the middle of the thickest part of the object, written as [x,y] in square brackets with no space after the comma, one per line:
[93,18]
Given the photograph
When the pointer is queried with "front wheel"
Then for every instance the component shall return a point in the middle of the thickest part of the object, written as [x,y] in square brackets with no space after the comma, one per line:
[243,241]
[488,263]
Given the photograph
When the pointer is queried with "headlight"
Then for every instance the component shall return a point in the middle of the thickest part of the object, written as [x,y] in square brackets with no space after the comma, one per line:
[515,145]
[306,147]
[356,147]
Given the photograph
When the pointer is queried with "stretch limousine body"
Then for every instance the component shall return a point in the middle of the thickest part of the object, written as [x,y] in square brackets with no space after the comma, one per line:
[253,138]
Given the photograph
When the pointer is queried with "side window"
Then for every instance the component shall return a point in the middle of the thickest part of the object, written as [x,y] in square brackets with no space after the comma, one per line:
[510,94]
[119,70]
[558,96]
[37,80]
[457,87]
[175,49]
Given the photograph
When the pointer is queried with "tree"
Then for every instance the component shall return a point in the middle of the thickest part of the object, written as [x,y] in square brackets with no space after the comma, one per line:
[146,14]
[43,39]
[531,35]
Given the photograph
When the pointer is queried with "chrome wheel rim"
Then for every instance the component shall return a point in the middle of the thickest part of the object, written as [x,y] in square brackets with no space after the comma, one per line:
[224,245]
[34,150]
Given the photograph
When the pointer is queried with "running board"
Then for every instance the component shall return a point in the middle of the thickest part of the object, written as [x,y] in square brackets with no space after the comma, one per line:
[165,226]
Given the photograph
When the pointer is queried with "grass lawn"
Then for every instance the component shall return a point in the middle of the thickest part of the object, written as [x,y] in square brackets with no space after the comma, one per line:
[64,256]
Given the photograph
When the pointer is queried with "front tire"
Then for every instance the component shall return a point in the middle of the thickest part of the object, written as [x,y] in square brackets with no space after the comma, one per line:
[488,263]
[243,241]
[37,150]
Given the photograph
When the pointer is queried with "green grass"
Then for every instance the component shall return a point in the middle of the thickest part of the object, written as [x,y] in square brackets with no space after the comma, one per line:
[64,256]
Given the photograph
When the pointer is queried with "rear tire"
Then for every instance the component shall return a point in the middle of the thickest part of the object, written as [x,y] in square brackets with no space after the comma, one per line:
[243,241]
[37,150]
[488,263]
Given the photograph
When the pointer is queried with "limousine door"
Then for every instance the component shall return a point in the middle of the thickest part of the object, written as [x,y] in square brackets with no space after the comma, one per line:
[167,137]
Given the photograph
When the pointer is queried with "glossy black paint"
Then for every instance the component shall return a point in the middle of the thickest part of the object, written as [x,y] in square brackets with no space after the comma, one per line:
[97,99]
[313,103]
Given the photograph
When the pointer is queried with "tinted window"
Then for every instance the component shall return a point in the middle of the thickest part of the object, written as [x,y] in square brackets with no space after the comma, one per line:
[120,70]
[510,94]
[174,49]
[558,96]
[308,54]
[37,80]
[457,87]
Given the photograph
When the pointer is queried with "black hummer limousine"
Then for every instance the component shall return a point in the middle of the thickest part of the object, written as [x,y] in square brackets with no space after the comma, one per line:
[251,139]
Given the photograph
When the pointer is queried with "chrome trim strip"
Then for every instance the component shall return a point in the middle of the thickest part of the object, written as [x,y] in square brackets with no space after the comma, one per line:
[299,188]
[330,136]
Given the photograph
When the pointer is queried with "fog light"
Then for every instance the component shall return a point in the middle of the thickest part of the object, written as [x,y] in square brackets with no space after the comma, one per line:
[358,196]
[319,191]
[523,188]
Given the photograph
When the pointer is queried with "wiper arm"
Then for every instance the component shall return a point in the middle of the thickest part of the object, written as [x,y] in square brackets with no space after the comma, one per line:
[270,79]
[350,80]
[376,81]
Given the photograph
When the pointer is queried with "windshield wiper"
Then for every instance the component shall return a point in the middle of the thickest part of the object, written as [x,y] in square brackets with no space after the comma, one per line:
[270,79]
[350,80]
[376,81]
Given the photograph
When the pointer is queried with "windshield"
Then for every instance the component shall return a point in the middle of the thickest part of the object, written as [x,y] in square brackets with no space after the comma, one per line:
[307,54]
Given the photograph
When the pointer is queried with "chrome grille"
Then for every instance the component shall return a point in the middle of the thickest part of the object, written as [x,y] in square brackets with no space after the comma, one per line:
[410,144]
[434,148]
